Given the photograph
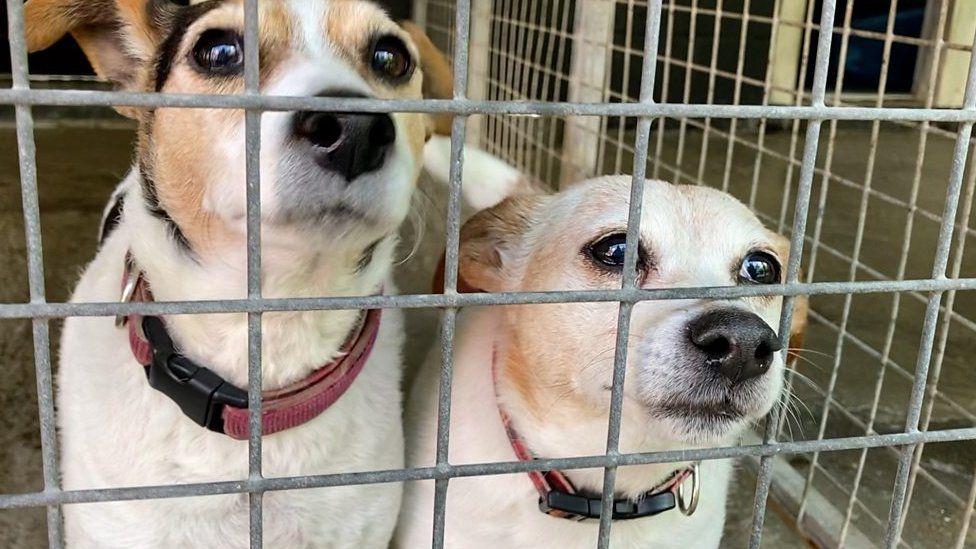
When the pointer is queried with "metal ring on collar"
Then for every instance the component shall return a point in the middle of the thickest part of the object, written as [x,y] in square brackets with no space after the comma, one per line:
[687,504]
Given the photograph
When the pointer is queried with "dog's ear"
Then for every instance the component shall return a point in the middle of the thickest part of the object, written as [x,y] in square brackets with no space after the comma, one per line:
[119,37]
[801,306]
[798,326]
[491,239]
[438,76]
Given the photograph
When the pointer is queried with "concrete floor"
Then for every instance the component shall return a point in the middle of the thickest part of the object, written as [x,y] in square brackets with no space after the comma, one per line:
[78,165]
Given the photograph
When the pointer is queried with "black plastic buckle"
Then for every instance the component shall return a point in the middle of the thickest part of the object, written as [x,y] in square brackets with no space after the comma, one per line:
[198,391]
[581,507]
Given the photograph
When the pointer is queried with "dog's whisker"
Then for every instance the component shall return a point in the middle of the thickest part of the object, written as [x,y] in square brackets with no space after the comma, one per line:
[809,362]
[804,350]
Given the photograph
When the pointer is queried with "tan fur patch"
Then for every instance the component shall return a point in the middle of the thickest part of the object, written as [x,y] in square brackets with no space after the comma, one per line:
[350,26]
[486,234]
[520,377]
[438,76]
[182,156]
[117,36]
[182,169]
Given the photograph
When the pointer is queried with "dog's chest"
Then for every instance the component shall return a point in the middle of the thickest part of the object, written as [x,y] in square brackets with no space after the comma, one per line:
[117,431]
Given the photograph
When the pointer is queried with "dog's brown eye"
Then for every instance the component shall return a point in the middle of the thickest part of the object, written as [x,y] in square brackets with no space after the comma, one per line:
[760,268]
[609,251]
[390,59]
[219,51]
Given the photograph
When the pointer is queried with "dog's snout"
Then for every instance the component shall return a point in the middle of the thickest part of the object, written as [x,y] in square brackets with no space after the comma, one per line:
[350,144]
[739,344]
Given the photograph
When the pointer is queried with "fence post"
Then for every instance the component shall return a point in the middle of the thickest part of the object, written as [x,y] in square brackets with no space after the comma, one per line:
[786,63]
[478,57]
[592,43]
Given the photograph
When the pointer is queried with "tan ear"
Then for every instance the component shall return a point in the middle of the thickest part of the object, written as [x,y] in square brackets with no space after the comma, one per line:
[798,326]
[118,36]
[438,76]
[801,305]
[490,242]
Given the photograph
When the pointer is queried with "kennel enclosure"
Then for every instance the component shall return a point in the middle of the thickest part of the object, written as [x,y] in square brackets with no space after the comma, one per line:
[846,129]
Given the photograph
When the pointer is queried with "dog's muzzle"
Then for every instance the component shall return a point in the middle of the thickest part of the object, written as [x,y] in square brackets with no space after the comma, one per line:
[350,144]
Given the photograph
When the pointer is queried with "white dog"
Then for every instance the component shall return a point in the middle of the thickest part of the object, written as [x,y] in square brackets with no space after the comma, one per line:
[163,400]
[533,381]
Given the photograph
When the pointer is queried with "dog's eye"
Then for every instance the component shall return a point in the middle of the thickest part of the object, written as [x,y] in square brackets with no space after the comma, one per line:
[760,268]
[609,251]
[219,51]
[390,59]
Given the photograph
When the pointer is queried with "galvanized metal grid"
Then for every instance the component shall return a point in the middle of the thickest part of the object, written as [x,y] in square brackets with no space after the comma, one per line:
[745,163]
[944,281]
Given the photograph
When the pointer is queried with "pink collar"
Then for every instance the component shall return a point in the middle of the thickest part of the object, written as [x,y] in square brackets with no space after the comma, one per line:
[559,498]
[215,403]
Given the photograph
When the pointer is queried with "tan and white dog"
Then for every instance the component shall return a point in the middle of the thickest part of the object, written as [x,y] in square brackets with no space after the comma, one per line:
[533,381]
[159,401]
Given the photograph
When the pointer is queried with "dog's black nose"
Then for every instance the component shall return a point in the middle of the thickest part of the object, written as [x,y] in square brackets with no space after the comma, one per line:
[737,343]
[350,144]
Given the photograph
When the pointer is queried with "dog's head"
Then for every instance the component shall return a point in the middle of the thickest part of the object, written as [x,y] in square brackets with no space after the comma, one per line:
[697,370]
[351,172]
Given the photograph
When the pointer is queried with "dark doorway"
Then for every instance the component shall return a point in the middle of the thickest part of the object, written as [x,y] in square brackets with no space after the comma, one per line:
[862,67]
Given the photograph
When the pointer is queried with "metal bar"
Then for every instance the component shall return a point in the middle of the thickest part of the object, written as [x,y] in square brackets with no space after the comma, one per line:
[665,85]
[93,98]
[629,278]
[778,8]
[252,152]
[453,229]
[967,514]
[27,163]
[686,92]
[710,94]
[767,92]
[947,319]
[940,262]
[628,52]
[797,101]
[737,89]
[764,476]
[418,301]
[859,231]
[57,497]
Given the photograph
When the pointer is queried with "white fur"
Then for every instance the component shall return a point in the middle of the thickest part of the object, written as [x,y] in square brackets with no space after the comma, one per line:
[495,178]
[117,431]
[502,510]
[695,236]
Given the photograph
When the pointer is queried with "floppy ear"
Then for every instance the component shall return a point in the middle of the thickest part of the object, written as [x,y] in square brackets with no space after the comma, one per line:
[491,239]
[119,37]
[798,326]
[438,76]
[801,305]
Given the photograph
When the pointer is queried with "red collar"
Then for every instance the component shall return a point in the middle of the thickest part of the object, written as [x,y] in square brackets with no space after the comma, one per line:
[559,498]
[215,403]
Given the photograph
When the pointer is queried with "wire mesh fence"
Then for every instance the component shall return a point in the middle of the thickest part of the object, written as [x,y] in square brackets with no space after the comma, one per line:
[738,94]
[878,195]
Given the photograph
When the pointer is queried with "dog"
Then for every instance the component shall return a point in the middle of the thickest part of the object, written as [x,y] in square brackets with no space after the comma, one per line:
[162,400]
[534,381]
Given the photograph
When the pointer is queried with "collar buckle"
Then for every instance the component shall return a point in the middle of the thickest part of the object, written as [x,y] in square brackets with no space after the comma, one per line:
[199,392]
[579,507]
